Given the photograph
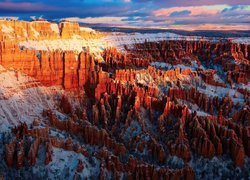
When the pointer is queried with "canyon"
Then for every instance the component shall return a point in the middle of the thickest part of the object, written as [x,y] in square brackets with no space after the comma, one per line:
[77,103]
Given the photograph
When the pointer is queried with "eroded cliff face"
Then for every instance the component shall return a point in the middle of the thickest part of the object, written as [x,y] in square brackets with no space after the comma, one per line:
[167,109]
[41,30]
[67,69]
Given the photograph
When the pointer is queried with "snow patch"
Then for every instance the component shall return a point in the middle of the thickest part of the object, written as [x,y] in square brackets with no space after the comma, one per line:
[7,29]
[64,163]
[87,29]
[36,34]
[55,28]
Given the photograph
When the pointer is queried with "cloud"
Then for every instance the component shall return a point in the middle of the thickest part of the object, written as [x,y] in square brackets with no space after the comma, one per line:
[218,15]
[180,13]
[112,21]
[141,1]
[233,8]
[147,13]
[25,7]
[192,10]
[175,3]
[223,27]
[9,17]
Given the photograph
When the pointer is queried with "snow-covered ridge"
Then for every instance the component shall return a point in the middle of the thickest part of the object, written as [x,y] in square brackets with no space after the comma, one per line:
[117,40]
[74,44]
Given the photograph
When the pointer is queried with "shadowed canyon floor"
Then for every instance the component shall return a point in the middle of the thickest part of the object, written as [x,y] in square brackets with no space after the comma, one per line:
[76,103]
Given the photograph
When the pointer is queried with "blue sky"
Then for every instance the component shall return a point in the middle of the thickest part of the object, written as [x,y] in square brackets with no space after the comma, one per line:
[142,13]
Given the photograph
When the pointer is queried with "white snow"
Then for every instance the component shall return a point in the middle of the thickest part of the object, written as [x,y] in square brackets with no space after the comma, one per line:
[55,28]
[163,65]
[144,79]
[193,107]
[218,79]
[36,34]
[75,44]
[245,86]
[22,100]
[87,29]
[119,39]
[7,29]
[25,33]
[242,40]
[221,92]
[64,163]
[219,167]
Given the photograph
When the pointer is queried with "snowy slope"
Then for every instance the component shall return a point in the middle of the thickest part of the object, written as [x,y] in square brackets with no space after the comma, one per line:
[65,163]
[117,40]
[22,99]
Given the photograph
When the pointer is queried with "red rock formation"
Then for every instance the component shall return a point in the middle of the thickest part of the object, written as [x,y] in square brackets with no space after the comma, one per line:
[202,100]
[137,103]
[80,166]
[33,152]
[95,115]
[20,154]
[65,105]
[210,138]
[247,140]
[69,144]
[90,134]
[208,77]
[38,29]
[69,29]
[67,69]
[39,132]
[48,156]
[9,153]
[178,50]
[140,170]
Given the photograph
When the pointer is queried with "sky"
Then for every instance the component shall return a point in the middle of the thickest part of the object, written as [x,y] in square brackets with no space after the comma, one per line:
[170,14]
